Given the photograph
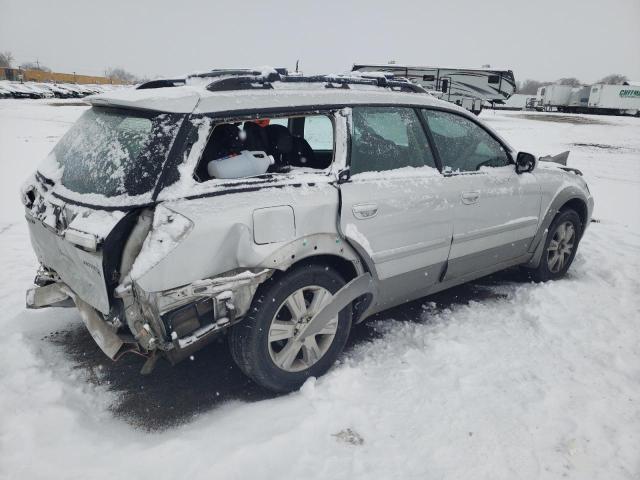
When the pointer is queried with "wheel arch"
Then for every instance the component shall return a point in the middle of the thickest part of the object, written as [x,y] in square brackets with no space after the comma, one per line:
[344,267]
[579,206]
[565,200]
[347,268]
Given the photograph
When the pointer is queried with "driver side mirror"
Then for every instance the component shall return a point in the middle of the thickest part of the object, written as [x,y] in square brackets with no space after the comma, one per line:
[525,162]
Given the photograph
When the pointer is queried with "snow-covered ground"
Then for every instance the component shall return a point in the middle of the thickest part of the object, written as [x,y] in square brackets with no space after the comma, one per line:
[500,379]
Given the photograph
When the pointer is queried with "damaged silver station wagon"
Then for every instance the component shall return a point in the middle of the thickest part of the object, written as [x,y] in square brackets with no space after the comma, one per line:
[278,210]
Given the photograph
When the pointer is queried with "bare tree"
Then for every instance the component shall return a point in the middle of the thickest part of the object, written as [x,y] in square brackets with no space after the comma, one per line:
[572,81]
[120,74]
[530,87]
[613,79]
[6,59]
[35,66]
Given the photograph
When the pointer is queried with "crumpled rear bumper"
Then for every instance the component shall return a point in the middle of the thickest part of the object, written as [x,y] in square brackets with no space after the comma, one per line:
[60,295]
[150,316]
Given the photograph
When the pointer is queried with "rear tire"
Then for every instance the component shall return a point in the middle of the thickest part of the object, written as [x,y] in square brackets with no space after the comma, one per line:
[265,345]
[560,247]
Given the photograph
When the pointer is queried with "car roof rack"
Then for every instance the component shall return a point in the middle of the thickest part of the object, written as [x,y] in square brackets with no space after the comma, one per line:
[240,72]
[215,73]
[224,80]
[261,81]
[162,83]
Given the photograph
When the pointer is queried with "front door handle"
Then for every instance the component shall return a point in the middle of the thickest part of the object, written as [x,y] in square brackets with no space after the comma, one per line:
[469,198]
[362,211]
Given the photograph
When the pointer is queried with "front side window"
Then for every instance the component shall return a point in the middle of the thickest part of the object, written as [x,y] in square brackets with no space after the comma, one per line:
[113,152]
[463,145]
[387,138]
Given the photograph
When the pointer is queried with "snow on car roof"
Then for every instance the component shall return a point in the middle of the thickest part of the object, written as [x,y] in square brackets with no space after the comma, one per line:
[197,99]
[168,99]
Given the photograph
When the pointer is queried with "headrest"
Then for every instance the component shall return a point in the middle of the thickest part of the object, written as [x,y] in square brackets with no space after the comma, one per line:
[255,137]
[227,135]
[280,139]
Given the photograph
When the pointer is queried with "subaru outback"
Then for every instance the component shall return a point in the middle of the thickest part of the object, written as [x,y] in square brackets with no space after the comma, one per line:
[278,210]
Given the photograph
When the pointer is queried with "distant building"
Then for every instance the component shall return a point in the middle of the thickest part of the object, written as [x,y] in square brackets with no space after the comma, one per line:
[18,74]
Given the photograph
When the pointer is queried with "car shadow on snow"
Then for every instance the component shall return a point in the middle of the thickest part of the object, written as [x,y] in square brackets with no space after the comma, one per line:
[171,396]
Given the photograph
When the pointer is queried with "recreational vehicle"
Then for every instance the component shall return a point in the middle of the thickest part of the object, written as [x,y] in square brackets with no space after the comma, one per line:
[469,88]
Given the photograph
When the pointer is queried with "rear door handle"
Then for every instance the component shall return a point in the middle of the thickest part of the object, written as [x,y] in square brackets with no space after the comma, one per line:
[362,211]
[469,198]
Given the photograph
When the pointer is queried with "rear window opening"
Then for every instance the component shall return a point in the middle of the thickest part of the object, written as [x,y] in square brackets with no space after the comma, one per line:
[267,145]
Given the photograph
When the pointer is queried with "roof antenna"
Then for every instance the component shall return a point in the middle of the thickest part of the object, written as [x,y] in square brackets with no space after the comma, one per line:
[297,61]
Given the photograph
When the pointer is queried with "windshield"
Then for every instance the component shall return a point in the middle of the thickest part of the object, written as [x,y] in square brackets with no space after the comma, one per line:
[113,152]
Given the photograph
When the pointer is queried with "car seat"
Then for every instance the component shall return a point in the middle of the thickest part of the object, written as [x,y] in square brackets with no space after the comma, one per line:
[280,144]
[302,154]
[255,137]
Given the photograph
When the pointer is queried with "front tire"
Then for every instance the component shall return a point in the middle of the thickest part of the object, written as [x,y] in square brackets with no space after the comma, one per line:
[269,344]
[560,246]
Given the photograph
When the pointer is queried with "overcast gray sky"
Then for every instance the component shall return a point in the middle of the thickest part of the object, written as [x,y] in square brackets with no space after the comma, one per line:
[540,39]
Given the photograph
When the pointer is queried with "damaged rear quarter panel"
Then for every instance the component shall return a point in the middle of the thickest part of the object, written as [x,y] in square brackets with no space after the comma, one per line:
[223,239]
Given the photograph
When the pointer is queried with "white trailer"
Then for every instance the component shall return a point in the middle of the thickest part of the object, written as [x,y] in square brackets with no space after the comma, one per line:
[579,98]
[467,87]
[554,96]
[615,99]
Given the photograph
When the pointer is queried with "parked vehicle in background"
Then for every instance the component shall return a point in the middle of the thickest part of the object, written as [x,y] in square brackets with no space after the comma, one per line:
[40,89]
[60,92]
[20,90]
[50,90]
[578,100]
[554,96]
[4,93]
[615,99]
[468,88]
[350,195]
[517,101]
[72,90]
[595,99]
[85,90]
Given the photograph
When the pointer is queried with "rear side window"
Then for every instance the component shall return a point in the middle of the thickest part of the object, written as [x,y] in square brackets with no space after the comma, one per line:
[318,132]
[463,145]
[387,138]
[254,147]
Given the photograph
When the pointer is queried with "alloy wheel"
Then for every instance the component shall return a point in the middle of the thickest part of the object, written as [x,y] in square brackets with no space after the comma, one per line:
[561,247]
[290,349]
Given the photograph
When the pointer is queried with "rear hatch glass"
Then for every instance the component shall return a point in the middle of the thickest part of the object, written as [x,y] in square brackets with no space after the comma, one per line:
[112,156]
